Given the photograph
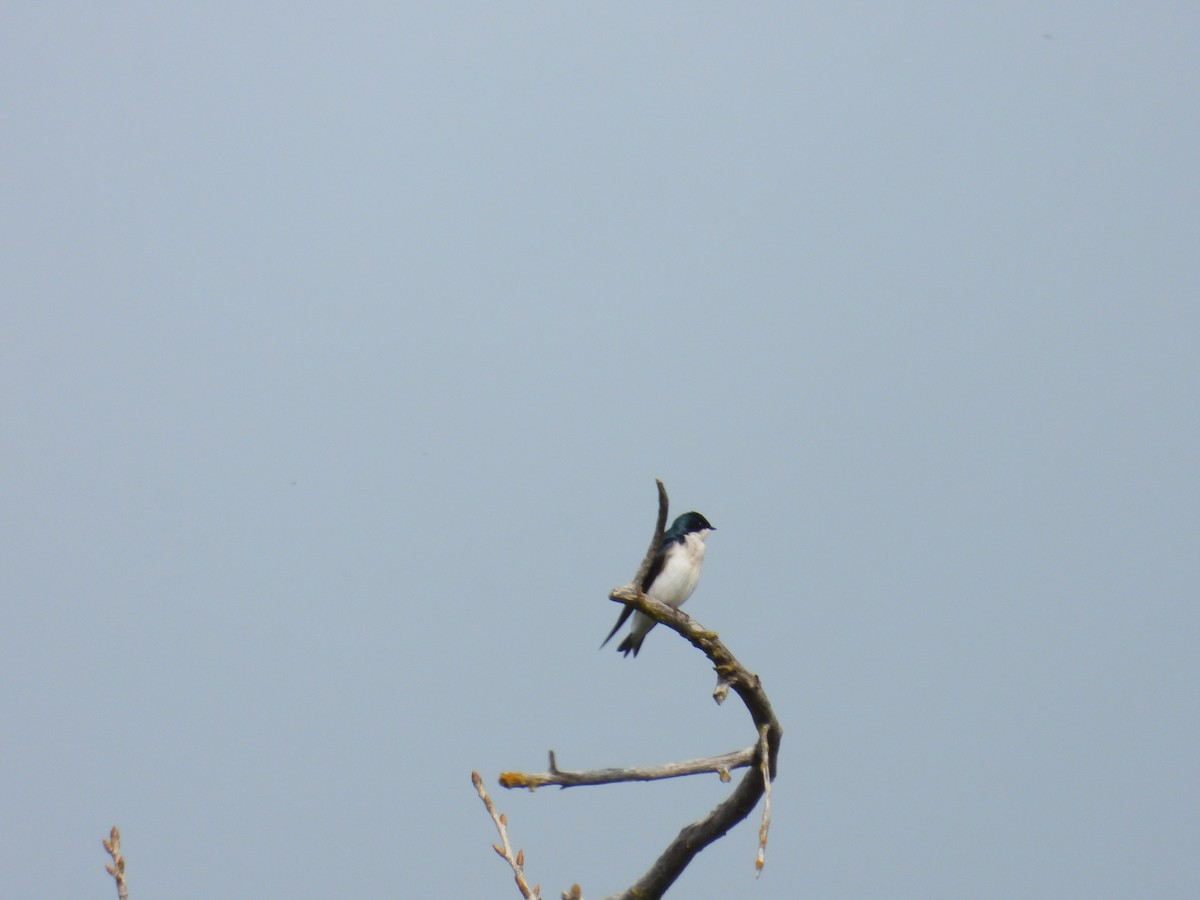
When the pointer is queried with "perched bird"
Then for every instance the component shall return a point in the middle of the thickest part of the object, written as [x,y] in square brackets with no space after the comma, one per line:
[672,576]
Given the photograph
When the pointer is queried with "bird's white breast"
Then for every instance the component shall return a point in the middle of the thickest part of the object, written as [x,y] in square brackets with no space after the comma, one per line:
[681,571]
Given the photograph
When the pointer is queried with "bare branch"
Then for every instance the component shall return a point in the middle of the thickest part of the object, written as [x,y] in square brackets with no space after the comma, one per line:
[756,783]
[516,862]
[695,837]
[764,757]
[117,868]
[563,778]
[730,674]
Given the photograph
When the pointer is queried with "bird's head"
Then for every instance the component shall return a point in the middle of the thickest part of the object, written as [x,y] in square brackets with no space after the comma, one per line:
[690,523]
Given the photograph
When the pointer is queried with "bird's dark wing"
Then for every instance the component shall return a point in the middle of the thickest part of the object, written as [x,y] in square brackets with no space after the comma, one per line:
[625,614]
[656,567]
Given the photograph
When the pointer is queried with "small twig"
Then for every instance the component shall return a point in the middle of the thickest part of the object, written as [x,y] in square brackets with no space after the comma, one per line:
[764,765]
[517,862]
[721,691]
[117,868]
[565,779]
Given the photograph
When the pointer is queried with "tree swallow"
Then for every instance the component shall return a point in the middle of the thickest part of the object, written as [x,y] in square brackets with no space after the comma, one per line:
[672,577]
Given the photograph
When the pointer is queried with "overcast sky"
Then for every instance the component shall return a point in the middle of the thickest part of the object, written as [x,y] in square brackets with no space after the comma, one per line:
[342,344]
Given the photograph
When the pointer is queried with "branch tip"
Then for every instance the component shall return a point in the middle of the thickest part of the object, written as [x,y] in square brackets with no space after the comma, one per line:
[117,868]
[504,848]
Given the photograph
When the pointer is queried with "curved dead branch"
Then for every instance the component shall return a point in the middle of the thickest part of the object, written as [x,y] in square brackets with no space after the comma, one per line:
[762,754]
[730,674]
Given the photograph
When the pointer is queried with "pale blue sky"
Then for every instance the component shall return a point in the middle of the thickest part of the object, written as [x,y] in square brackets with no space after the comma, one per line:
[340,350]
